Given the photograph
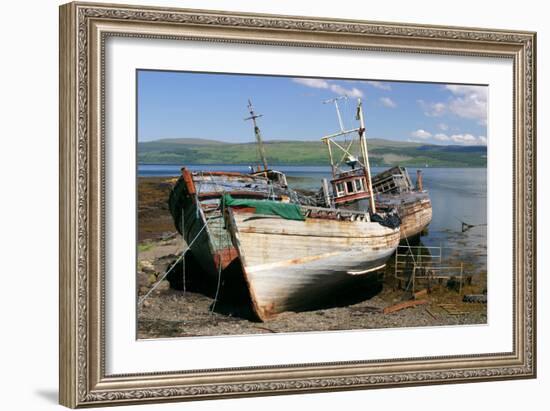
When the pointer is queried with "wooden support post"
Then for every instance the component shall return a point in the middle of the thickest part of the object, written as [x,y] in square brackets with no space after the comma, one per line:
[333,169]
[461,279]
[419,183]
[326,193]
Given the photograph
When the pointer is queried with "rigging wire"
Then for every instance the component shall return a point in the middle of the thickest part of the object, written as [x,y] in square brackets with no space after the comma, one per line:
[220,249]
[142,299]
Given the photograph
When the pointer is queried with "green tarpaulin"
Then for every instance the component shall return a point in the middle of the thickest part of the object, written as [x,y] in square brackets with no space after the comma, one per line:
[266,207]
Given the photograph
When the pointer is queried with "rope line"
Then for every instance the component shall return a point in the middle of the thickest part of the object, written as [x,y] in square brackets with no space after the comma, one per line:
[411,279]
[221,243]
[219,258]
[142,299]
[183,236]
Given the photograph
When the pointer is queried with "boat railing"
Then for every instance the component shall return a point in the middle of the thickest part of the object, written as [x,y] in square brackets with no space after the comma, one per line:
[425,263]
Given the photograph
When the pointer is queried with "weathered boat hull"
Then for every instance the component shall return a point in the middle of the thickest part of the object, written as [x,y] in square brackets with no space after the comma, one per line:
[414,209]
[291,265]
[415,217]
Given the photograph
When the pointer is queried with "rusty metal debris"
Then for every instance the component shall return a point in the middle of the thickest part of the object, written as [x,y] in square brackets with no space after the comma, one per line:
[475,298]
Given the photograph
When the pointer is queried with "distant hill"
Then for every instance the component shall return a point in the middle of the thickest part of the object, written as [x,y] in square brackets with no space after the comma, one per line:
[186,141]
[292,152]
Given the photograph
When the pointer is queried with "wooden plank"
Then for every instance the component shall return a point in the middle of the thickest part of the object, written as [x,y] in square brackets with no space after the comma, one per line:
[420,293]
[452,309]
[431,314]
[403,305]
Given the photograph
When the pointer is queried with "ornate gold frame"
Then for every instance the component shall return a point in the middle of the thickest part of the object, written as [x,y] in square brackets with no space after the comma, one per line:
[83,30]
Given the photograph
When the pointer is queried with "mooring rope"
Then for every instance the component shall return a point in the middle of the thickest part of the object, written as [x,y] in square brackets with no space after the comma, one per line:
[221,237]
[410,249]
[221,243]
[142,299]
[414,262]
[183,236]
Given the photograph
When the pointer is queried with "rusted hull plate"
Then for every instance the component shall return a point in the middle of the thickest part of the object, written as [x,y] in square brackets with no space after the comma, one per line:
[290,265]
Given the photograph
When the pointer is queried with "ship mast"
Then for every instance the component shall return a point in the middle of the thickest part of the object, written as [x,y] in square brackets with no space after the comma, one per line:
[253,117]
[365,153]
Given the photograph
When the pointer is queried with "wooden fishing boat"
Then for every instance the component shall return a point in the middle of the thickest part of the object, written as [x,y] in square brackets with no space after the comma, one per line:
[195,205]
[352,186]
[293,264]
[393,190]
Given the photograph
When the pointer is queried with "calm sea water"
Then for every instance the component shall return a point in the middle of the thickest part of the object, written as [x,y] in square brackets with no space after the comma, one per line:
[458,195]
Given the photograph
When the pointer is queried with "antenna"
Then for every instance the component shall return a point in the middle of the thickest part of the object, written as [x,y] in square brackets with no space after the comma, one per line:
[253,117]
[335,101]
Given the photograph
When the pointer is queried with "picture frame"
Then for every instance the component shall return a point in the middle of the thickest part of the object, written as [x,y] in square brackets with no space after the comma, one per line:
[84,31]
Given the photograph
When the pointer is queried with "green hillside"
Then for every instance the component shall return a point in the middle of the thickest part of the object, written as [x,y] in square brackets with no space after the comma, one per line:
[381,153]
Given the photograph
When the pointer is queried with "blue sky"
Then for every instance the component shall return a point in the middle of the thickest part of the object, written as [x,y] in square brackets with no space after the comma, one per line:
[213,106]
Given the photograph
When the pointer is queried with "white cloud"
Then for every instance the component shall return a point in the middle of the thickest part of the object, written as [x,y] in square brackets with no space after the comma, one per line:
[432,109]
[443,126]
[465,139]
[469,102]
[388,102]
[467,90]
[324,84]
[441,137]
[421,134]
[462,139]
[312,82]
[342,91]
[379,85]
[465,101]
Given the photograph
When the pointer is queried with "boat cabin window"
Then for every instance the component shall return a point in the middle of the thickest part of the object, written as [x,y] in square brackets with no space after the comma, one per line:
[350,187]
